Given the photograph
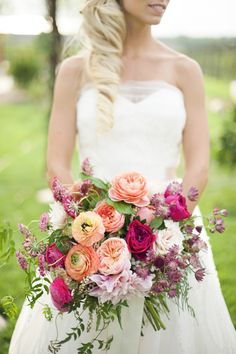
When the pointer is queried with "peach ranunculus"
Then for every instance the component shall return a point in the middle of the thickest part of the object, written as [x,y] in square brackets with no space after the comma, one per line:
[130,187]
[81,261]
[147,213]
[114,256]
[88,228]
[112,219]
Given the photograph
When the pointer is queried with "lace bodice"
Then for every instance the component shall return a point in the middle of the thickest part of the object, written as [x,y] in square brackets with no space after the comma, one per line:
[149,117]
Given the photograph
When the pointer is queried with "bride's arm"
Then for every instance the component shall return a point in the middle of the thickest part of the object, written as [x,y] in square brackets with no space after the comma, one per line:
[62,124]
[196,141]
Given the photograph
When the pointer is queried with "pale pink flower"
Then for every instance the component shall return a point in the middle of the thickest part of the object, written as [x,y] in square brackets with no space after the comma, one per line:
[114,256]
[169,237]
[147,212]
[120,286]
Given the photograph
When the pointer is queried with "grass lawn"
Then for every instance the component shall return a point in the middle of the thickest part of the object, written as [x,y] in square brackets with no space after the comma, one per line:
[23,143]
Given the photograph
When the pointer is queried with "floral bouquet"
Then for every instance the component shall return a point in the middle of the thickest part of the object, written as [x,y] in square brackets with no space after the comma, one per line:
[109,241]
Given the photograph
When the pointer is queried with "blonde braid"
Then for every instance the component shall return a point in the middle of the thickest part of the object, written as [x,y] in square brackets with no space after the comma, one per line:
[102,34]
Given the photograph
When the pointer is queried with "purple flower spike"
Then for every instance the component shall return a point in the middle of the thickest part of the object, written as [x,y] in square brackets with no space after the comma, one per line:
[86,167]
[24,230]
[43,222]
[193,194]
[21,260]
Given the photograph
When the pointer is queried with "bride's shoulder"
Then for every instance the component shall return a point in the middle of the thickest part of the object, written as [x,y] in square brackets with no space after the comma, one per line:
[71,69]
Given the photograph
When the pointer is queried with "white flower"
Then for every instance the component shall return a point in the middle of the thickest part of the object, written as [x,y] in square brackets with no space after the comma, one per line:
[57,215]
[169,237]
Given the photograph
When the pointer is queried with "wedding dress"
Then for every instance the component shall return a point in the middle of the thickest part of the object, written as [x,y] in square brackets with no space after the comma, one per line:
[147,134]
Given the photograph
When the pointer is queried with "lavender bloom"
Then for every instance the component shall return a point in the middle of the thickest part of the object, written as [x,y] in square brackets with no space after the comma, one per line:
[160,286]
[24,230]
[58,190]
[43,222]
[199,274]
[159,262]
[87,167]
[172,292]
[41,264]
[224,212]
[70,206]
[21,260]
[174,275]
[142,272]
[194,261]
[85,186]
[193,194]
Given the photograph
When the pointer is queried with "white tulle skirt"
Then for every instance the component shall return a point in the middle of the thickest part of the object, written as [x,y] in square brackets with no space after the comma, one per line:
[210,332]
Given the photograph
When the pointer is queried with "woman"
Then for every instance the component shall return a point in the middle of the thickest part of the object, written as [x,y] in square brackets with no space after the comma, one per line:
[133,101]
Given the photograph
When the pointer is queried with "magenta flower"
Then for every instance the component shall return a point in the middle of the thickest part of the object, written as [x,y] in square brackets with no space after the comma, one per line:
[43,222]
[54,257]
[173,188]
[177,207]
[139,238]
[60,293]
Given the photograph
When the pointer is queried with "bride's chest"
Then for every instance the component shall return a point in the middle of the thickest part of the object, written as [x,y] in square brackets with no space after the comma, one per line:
[159,112]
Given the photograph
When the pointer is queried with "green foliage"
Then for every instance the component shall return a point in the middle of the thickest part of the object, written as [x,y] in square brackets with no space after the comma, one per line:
[7,244]
[9,307]
[227,150]
[25,66]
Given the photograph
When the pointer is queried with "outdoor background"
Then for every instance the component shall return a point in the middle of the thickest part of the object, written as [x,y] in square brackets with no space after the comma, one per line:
[34,37]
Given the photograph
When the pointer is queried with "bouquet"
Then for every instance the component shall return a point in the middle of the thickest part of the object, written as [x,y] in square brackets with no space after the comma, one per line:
[109,241]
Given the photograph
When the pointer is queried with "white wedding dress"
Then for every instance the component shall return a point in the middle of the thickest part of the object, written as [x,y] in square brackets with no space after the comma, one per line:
[149,119]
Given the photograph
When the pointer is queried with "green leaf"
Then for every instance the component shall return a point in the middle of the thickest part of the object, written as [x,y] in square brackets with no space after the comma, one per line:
[121,207]
[96,181]
[156,222]
[9,306]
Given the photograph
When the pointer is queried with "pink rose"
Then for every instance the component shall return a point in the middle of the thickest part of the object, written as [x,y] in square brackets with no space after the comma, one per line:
[114,256]
[113,221]
[147,213]
[60,293]
[177,207]
[54,257]
[130,187]
[139,238]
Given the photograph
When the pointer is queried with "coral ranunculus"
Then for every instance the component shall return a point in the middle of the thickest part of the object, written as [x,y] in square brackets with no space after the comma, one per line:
[139,238]
[130,187]
[177,207]
[114,256]
[54,257]
[113,221]
[88,228]
[60,293]
[81,261]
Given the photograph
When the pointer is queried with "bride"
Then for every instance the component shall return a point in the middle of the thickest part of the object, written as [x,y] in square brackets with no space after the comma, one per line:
[131,101]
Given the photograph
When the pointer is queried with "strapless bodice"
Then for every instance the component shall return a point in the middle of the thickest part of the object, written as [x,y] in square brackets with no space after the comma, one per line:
[149,118]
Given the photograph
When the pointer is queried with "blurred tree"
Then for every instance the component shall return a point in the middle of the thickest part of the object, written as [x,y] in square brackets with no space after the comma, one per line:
[54,40]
